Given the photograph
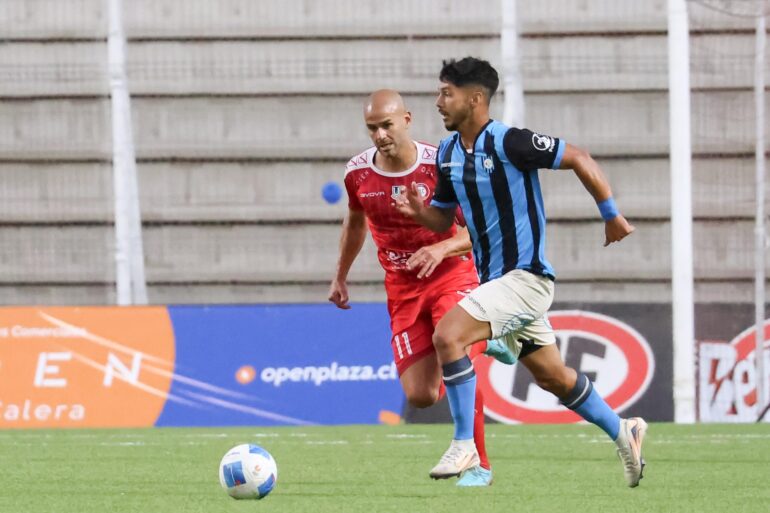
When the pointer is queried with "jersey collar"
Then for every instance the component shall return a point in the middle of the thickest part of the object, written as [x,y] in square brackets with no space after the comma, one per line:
[475,140]
[397,174]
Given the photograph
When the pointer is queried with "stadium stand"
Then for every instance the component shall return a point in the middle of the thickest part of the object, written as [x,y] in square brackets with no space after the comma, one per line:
[242,111]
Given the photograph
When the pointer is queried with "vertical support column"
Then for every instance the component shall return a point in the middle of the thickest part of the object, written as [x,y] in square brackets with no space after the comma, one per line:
[129,253]
[759,227]
[681,212]
[513,107]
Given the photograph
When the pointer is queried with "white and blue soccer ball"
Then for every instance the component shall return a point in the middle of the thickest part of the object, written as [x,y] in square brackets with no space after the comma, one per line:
[248,471]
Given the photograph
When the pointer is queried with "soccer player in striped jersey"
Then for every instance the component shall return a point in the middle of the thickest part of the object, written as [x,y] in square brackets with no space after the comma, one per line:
[426,273]
[491,171]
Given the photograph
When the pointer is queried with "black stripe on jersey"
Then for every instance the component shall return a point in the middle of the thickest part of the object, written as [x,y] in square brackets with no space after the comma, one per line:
[448,152]
[536,265]
[504,202]
[477,211]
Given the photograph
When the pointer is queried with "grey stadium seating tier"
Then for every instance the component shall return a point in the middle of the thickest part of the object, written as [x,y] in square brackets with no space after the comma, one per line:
[242,111]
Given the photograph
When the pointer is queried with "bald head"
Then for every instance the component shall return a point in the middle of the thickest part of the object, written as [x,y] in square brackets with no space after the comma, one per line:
[388,122]
[384,101]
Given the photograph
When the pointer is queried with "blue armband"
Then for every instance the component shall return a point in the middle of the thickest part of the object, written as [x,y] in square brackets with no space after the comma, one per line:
[608,209]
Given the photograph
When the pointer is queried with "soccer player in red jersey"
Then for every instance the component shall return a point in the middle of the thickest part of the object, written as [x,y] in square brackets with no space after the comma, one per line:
[426,273]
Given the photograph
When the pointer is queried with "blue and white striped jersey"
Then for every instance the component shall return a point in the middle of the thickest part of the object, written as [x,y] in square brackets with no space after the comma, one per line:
[497,186]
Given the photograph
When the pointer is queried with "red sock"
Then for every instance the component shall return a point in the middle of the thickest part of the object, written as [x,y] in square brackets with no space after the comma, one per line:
[478,429]
[477,349]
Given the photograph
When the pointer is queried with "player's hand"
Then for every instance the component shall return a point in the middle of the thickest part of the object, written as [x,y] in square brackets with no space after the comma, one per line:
[616,229]
[338,294]
[409,203]
[426,259]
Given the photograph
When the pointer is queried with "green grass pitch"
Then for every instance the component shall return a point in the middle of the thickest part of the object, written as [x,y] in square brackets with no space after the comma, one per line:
[562,469]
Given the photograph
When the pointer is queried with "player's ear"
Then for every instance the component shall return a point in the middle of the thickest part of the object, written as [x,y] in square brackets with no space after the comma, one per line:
[477,98]
[408,118]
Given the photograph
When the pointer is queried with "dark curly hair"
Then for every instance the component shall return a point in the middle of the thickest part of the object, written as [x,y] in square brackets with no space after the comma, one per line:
[470,71]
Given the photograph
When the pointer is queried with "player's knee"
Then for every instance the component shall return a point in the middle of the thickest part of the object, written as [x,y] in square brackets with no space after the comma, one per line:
[442,341]
[439,341]
[422,398]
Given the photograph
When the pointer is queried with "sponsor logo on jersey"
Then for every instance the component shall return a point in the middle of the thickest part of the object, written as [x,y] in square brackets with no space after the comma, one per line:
[542,142]
[611,353]
[374,194]
[728,377]
[451,164]
[398,259]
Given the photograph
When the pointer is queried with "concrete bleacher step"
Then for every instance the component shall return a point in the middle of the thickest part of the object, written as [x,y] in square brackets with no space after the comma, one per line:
[250,192]
[267,253]
[302,18]
[585,63]
[632,123]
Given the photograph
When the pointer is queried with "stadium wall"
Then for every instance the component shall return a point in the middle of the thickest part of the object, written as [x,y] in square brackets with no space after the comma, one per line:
[242,110]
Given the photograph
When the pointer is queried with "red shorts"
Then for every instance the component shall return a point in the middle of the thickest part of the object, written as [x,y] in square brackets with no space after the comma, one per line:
[413,319]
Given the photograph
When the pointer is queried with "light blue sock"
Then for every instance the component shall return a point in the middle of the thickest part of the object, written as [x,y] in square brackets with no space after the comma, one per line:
[460,382]
[587,403]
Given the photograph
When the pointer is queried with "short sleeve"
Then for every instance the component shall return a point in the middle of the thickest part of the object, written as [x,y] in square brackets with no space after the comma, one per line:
[350,187]
[444,195]
[529,150]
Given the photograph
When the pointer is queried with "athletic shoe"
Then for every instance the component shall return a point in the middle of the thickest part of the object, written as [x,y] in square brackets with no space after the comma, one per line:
[499,350]
[476,476]
[629,442]
[460,456]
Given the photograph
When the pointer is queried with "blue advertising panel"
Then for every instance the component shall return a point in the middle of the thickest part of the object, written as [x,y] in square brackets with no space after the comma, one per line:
[281,365]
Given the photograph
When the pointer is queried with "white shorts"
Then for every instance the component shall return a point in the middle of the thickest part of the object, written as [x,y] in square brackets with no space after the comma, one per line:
[515,306]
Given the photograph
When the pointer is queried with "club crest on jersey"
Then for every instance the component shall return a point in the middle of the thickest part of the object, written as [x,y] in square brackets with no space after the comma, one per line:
[489,165]
[398,190]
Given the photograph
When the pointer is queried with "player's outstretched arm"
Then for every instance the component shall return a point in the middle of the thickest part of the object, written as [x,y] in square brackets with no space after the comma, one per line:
[427,258]
[616,227]
[411,204]
[351,242]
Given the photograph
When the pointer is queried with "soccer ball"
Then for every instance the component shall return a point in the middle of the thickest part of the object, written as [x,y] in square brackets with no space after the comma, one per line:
[248,471]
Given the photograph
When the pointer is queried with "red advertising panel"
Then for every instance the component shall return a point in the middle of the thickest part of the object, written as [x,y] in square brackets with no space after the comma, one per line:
[614,355]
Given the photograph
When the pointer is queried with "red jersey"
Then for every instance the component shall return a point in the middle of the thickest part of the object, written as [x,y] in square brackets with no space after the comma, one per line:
[397,237]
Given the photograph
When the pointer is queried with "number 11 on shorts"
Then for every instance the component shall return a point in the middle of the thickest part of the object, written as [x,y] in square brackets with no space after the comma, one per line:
[404,337]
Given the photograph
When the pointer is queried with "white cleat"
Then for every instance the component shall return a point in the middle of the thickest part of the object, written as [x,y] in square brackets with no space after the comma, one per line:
[629,442]
[460,456]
